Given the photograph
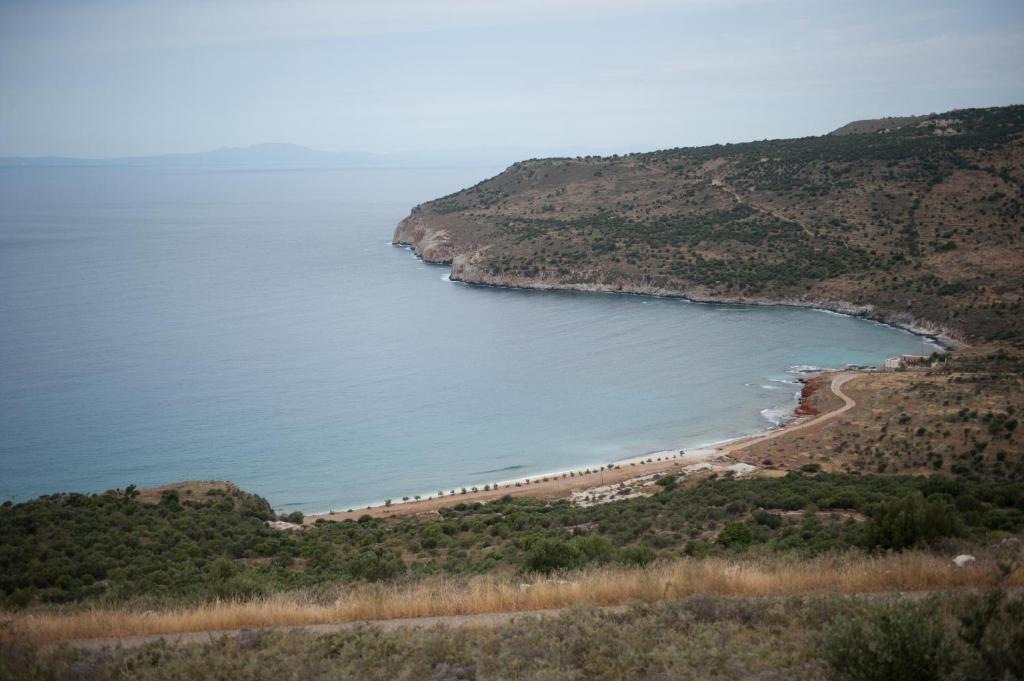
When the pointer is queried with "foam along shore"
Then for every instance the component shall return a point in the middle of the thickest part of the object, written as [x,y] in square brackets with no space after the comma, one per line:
[543,486]
[600,483]
[573,483]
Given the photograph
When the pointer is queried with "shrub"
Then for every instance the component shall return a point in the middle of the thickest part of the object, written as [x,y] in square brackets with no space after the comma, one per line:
[593,547]
[992,627]
[901,523]
[698,548]
[637,554]
[432,537]
[375,565]
[772,520]
[668,481]
[735,534]
[895,643]
[548,555]
[170,499]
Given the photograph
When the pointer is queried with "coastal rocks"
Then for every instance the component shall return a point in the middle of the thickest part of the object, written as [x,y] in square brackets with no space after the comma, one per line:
[963,560]
[433,244]
[805,408]
[470,266]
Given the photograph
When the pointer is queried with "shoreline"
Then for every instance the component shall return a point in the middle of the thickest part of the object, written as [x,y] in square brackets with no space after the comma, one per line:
[567,483]
[945,341]
[945,338]
[569,475]
[600,475]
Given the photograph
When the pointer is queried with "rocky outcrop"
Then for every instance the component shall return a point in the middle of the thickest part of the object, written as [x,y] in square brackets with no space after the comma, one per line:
[804,408]
[432,243]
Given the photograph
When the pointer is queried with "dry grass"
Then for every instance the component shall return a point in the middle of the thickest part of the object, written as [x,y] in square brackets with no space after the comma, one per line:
[595,587]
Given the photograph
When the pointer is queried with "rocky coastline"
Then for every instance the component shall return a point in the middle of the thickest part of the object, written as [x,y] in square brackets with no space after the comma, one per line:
[434,245]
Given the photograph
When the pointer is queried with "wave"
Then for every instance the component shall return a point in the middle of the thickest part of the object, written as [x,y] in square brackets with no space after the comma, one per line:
[806,369]
[777,415]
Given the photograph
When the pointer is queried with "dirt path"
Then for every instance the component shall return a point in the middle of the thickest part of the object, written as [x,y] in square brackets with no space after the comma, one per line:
[490,619]
[196,637]
[562,485]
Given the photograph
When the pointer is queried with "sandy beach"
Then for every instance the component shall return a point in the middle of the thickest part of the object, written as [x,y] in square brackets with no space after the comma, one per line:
[567,483]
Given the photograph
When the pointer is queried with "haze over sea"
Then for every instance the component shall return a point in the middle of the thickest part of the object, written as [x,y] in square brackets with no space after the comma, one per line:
[167,324]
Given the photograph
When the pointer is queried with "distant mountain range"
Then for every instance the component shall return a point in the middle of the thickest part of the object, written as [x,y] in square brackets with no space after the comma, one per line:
[293,156]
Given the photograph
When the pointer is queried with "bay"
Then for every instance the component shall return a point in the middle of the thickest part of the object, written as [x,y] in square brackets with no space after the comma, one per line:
[169,324]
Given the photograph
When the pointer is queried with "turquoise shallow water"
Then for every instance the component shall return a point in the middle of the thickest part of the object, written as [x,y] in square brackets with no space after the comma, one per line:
[256,326]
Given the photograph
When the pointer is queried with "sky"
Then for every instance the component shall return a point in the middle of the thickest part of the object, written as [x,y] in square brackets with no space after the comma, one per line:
[96,78]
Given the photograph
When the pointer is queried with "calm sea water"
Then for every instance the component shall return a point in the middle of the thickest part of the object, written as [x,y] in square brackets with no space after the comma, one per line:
[256,326]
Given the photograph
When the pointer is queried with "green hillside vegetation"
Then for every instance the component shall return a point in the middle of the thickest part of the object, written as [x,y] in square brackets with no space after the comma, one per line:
[114,548]
[922,221]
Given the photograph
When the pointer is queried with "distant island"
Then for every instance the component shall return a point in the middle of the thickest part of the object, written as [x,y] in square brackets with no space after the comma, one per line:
[915,221]
[281,156]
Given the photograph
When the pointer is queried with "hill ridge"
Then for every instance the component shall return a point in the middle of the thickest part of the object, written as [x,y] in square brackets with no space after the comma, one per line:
[920,227]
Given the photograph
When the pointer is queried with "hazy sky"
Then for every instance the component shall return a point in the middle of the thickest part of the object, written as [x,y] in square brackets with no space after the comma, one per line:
[121,77]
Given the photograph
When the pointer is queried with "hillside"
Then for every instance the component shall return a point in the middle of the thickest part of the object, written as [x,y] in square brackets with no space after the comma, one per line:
[755,558]
[916,221]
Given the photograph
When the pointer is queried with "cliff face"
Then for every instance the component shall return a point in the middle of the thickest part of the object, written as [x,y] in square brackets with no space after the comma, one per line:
[430,242]
[919,226]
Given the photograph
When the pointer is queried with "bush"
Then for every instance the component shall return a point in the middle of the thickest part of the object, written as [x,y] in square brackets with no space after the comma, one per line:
[735,534]
[698,548]
[548,555]
[992,627]
[637,554]
[294,517]
[895,643]
[901,523]
[593,547]
[375,565]
[432,537]
[667,481]
[772,520]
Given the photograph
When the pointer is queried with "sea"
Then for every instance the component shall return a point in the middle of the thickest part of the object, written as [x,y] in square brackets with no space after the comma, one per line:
[166,324]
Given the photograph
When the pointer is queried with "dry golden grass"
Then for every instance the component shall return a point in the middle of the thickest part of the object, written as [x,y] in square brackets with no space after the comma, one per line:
[487,594]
